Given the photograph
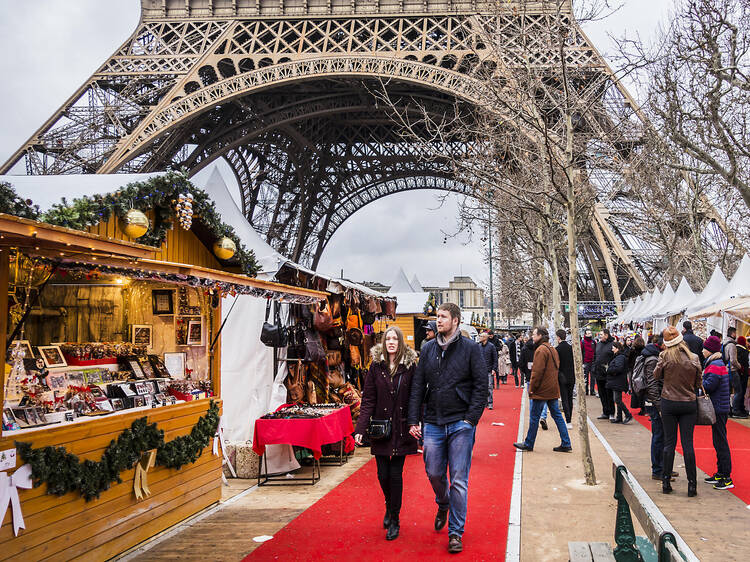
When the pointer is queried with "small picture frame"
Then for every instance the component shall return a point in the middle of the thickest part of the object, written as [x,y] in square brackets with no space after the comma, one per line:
[139,401]
[142,334]
[52,356]
[162,302]
[195,332]
[175,364]
[140,388]
[135,366]
[117,404]
[160,370]
[148,399]
[148,370]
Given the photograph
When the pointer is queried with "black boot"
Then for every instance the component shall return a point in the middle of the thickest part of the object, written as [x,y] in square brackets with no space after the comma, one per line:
[692,489]
[387,518]
[666,486]
[393,529]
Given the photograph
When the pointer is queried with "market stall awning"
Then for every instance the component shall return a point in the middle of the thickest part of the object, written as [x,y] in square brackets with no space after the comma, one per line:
[740,309]
[666,299]
[712,293]
[684,297]
[644,313]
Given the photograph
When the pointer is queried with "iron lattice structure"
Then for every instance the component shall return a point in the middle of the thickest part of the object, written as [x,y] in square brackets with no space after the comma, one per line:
[282,90]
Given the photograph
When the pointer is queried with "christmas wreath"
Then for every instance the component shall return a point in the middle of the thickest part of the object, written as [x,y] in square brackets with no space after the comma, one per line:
[63,472]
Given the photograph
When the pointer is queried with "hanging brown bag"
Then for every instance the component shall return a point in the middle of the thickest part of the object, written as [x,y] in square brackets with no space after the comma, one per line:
[335,302]
[295,382]
[322,319]
[390,308]
[314,351]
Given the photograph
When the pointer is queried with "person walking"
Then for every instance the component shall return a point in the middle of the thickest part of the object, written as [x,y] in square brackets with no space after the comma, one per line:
[526,359]
[602,356]
[451,378]
[617,382]
[544,390]
[430,332]
[503,363]
[588,350]
[744,361]
[567,377]
[489,352]
[729,354]
[680,371]
[512,344]
[646,363]
[716,384]
[386,397]
[636,400]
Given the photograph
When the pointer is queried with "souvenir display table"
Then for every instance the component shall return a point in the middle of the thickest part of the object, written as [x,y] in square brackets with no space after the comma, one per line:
[307,426]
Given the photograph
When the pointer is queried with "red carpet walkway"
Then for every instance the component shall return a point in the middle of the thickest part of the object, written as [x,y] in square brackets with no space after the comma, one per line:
[347,523]
[705,455]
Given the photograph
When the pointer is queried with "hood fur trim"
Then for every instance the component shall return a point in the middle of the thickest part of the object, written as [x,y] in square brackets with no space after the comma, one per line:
[409,358]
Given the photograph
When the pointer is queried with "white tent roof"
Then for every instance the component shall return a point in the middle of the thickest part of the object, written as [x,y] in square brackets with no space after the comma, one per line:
[411,302]
[683,298]
[401,283]
[270,260]
[712,293]
[666,299]
[644,313]
[45,191]
[629,304]
[416,286]
[628,313]
[739,286]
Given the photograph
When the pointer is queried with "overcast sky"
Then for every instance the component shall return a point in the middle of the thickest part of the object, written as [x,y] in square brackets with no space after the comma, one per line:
[50,47]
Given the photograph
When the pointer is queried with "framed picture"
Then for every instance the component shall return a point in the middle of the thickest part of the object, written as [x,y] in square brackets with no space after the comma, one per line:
[162,386]
[195,332]
[25,345]
[175,364]
[142,334]
[161,399]
[117,404]
[148,370]
[140,388]
[57,381]
[52,356]
[97,392]
[160,370]
[162,301]
[139,402]
[135,366]
[148,399]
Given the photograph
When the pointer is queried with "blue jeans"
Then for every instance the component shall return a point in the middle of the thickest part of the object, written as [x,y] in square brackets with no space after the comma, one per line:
[449,447]
[535,414]
[657,441]
[543,415]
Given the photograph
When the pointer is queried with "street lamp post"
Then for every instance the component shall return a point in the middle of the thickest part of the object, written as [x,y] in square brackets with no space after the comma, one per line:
[492,293]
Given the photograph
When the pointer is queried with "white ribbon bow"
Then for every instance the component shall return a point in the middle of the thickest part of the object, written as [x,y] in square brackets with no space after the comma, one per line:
[9,485]
[219,442]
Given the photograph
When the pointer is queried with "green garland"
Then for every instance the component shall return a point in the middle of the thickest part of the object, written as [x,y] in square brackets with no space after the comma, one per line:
[63,472]
[158,194]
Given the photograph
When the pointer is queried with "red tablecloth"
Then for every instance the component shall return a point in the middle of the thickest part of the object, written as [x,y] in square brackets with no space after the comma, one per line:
[312,433]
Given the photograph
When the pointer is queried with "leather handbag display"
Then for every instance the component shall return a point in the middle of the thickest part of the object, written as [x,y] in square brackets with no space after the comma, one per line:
[314,351]
[273,335]
[706,412]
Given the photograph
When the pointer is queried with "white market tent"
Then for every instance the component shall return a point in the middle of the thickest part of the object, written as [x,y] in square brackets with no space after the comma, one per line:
[401,283]
[738,287]
[666,299]
[416,285]
[627,314]
[625,310]
[684,297]
[410,303]
[644,313]
[712,293]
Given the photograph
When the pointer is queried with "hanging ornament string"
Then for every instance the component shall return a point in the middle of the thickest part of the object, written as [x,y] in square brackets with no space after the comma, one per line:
[184,210]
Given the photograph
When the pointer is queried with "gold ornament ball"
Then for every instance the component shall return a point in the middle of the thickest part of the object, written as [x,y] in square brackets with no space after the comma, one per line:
[224,248]
[135,223]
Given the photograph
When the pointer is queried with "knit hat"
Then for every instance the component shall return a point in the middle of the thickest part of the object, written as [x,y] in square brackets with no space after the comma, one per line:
[712,344]
[742,341]
[431,325]
[671,336]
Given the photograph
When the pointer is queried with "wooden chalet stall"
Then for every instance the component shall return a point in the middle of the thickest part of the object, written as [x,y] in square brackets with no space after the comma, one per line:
[66,285]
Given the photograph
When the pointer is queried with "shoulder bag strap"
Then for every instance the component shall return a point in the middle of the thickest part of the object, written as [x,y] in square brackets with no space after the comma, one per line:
[268,308]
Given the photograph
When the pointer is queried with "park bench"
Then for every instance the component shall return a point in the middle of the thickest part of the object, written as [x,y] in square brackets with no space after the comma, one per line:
[661,543]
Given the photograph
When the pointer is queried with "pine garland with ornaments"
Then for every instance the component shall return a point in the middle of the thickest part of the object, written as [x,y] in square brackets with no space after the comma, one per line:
[63,472]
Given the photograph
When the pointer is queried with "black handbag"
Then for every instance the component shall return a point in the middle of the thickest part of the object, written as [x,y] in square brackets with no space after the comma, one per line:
[706,413]
[296,344]
[314,351]
[380,430]
[273,335]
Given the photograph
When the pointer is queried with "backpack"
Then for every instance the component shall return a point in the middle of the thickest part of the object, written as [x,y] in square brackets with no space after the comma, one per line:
[639,376]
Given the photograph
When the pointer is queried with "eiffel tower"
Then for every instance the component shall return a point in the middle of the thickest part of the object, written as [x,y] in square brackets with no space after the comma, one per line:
[280,89]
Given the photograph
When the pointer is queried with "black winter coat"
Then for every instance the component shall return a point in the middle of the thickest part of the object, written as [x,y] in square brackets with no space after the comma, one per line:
[527,356]
[650,357]
[617,373]
[489,352]
[380,402]
[512,353]
[452,383]
[602,357]
[567,368]
[694,343]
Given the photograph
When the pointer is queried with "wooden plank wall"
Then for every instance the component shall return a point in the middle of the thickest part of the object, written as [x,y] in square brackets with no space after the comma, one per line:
[181,246]
[70,528]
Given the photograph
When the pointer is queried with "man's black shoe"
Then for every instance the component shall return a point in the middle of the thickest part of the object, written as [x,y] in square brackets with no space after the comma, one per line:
[441,519]
[562,449]
[603,417]
[393,530]
[454,544]
[543,423]
[522,446]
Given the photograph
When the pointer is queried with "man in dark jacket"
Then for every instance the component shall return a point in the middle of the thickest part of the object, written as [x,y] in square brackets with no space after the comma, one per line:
[602,357]
[567,376]
[451,378]
[526,360]
[512,342]
[646,362]
[694,343]
[489,352]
